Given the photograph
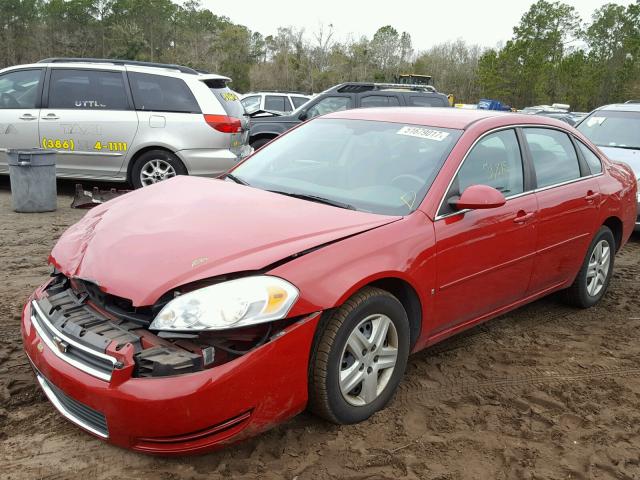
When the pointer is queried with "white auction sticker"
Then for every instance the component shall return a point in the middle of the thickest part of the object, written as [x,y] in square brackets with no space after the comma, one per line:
[423,133]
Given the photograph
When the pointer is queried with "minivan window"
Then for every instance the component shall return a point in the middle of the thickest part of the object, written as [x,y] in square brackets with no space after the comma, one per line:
[554,158]
[19,89]
[162,94]
[592,159]
[87,90]
[275,102]
[299,101]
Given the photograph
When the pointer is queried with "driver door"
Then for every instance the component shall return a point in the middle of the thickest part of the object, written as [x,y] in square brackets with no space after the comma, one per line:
[485,257]
[20,92]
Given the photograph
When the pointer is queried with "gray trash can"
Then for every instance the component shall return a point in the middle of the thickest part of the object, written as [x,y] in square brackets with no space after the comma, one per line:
[33,180]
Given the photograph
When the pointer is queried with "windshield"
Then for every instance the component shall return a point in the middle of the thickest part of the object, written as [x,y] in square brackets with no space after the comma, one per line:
[608,128]
[377,167]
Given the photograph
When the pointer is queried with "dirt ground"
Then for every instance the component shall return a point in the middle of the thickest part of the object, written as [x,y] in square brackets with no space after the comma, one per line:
[545,392]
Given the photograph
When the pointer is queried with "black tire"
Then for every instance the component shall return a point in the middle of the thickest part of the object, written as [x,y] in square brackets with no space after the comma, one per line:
[260,142]
[325,397]
[143,160]
[577,294]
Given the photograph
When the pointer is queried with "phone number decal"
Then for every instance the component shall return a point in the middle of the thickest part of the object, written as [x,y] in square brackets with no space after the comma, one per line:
[110,146]
[58,144]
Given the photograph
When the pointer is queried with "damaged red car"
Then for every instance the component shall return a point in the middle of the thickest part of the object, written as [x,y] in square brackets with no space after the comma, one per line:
[197,312]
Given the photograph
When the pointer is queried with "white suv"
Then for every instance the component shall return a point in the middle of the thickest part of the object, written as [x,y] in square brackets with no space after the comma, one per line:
[281,102]
[121,120]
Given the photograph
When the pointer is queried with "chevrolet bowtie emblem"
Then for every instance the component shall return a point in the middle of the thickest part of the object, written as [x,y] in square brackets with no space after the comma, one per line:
[62,346]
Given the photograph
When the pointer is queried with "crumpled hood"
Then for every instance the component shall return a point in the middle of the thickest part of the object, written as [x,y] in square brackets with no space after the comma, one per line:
[630,157]
[143,244]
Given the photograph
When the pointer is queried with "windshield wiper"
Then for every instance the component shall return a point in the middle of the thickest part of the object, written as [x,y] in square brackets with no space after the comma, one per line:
[626,147]
[315,198]
[231,176]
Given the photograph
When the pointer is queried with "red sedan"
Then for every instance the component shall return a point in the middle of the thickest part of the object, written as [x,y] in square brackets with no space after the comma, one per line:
[193,313]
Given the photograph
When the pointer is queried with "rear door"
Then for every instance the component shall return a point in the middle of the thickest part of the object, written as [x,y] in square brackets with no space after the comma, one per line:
[89,119]
[20,92]
[568,199]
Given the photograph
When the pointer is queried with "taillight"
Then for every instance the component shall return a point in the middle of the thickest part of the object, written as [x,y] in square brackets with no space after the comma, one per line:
[224,123]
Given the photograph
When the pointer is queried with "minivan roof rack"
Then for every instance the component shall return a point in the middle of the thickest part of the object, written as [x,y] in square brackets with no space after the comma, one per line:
[355,87]
[111,61]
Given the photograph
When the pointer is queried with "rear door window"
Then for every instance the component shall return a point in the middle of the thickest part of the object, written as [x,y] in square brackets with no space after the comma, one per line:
[425,101]
[554,157]
[87,90]
[162,94]
[20,89]
[371,101]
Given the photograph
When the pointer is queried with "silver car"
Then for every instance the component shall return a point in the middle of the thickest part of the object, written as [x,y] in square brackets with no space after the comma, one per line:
[615,129]
[125,121]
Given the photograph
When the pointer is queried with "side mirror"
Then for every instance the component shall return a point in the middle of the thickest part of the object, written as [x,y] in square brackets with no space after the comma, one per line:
[303,116]
[480,197]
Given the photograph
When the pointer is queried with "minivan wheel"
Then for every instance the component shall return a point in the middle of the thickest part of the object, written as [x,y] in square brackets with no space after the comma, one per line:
[595,274]
[359,357]
[155,166]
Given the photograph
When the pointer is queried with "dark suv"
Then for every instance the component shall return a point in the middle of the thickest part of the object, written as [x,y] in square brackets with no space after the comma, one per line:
[266,126]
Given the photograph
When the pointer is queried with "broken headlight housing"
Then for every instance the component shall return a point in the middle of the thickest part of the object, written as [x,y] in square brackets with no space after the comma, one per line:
[231,304]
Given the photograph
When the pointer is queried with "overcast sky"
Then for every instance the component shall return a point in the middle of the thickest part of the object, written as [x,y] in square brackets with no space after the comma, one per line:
[485,22]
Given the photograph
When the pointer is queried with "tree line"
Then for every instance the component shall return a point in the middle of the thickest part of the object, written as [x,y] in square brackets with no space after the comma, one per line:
[553,55]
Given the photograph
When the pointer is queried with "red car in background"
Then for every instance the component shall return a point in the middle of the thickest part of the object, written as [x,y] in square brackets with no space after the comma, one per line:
[193,313]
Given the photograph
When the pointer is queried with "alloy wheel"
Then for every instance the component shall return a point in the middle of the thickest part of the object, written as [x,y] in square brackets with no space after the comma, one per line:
[368,360]
[598,268]
[155,171]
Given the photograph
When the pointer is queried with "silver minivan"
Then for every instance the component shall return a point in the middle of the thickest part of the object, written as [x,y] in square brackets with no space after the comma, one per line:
[125,121]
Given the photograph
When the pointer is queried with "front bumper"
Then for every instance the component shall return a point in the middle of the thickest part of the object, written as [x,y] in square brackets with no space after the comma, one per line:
[212,162]
[185,414]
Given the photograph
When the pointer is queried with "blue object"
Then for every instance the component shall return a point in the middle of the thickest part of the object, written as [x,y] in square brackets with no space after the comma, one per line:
[488,104]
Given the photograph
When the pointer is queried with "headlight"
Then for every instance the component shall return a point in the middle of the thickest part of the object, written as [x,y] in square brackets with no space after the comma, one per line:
[232,304]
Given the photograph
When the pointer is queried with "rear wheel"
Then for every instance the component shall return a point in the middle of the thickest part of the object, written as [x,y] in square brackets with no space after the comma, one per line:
[155,166]
[595,274]
[359,357]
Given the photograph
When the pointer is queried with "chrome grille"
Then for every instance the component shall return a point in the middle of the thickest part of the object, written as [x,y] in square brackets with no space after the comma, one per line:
[78,413]
[71,351]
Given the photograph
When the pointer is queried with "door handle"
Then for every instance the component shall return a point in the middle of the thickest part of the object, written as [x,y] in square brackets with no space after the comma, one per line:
[524,217]
[27,116]
[51,116]
[591,196]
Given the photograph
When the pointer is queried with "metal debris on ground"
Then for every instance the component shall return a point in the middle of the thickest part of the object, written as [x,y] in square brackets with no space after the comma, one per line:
[89,199]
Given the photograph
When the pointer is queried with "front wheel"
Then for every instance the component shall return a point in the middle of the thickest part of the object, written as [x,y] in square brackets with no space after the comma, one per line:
[359,357]
[594,276]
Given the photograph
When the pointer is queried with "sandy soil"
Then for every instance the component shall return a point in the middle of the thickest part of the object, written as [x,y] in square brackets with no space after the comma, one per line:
[546,392]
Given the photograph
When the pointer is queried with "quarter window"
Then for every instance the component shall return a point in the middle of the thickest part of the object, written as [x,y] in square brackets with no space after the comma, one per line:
[328,105]
[19,89]
[87,90]
[554,157]
[371,101]
[162,94]
[591,158]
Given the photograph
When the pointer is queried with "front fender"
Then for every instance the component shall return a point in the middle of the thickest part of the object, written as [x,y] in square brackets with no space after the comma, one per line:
[404,250]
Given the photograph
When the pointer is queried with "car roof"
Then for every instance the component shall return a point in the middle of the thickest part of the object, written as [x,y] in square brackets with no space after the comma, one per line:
[160,70]
[621,107]
[455,118]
